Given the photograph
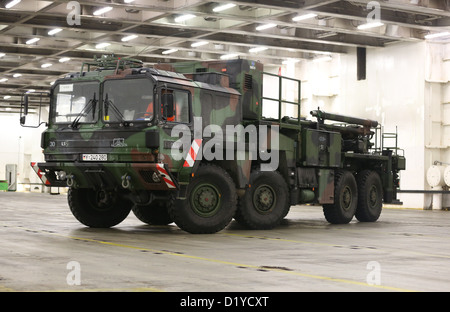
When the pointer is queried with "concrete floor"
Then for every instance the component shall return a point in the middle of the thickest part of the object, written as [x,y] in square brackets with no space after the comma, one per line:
[43,248]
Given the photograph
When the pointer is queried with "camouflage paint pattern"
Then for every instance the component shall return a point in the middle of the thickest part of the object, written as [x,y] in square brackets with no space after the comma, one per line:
[222,93]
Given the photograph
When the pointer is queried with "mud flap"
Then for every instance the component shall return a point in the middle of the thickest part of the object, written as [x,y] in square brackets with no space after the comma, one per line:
[326,186]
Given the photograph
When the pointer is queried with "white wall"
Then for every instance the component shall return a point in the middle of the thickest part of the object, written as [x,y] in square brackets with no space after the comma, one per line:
[394,93]
[19,145]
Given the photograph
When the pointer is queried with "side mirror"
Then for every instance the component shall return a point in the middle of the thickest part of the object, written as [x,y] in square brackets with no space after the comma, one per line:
[167,105]
[25,105]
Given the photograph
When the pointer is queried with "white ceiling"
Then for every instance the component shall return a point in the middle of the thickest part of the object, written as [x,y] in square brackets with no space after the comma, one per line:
[334,29]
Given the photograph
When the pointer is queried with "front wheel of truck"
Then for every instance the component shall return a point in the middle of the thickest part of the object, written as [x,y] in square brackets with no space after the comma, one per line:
[98,208]
[210,202]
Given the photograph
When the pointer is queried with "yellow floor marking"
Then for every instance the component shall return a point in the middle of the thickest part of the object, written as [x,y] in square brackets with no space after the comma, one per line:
[134,289]
[334,245]
[326,278]
[245,265]
[282,239]
[5,289]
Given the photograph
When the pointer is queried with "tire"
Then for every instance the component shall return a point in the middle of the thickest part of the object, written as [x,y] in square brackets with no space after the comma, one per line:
[210,202]
[345,199]
[156,213]
[370,198]
[265,203]
[98,209]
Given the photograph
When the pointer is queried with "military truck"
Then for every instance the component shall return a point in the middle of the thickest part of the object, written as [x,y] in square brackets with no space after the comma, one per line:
[192,143]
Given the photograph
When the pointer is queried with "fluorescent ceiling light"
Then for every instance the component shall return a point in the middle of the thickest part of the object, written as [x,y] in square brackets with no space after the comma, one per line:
[304,17]
[199,44]
[128,1]
[6,97]
[12,3]
[2,54]
[229,56]
[54,31]
[170,51]
[52,83]
[437,35]
[257,49]
[17,75]
[102,11]
[32,40]
[64,59]
[102,45]
[326,34]
[370,25]
[128,38]
[31,91]
[224,7]
[46,65]
[3,79]
[183,18]
[265,26]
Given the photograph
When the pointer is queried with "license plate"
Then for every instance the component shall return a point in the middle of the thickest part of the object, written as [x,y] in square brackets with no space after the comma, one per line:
[95,157]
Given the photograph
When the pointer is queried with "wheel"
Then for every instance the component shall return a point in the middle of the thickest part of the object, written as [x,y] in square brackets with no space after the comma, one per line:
[210,202]
[156,213]
[345,199]
[370,198]
[98,209]
[265,203]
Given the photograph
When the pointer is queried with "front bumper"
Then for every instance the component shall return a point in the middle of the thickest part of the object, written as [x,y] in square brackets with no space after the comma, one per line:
[132,176]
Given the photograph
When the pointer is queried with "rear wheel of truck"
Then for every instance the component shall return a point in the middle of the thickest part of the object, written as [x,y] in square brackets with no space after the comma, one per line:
[210,202]
[370,196]
[265,203]
[156,213]
[98,209]
[345,199]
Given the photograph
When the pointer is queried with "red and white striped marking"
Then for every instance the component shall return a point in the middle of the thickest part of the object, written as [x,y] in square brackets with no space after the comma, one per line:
[193,151]
[39,173]
[165,176]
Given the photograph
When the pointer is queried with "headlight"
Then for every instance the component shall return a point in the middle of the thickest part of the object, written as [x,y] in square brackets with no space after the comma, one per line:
[61,175]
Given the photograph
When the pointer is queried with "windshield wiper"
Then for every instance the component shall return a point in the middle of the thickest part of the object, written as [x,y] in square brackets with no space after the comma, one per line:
[91,105]
[109,103]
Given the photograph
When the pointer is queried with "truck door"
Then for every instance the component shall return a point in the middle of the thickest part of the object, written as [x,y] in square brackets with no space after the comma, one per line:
[177,134]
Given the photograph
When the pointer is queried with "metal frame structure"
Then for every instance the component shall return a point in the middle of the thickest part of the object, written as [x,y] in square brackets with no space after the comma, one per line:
[161,36]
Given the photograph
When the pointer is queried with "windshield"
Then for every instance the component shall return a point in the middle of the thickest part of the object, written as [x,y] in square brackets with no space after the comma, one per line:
[75,101]
[128,100]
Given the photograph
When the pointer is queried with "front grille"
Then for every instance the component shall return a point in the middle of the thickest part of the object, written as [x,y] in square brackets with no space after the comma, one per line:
[146,175]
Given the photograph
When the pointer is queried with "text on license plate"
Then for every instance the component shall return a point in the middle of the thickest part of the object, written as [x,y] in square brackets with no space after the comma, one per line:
[95,157]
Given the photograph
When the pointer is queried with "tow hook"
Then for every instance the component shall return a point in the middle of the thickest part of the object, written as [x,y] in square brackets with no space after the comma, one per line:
[126,181]
[70,180]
